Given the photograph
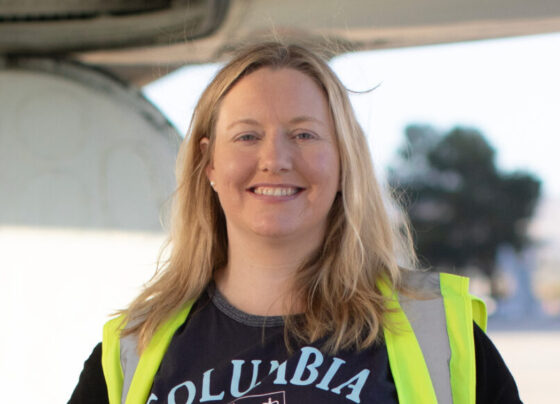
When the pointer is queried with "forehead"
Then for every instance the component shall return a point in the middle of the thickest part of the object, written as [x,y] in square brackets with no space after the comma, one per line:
[281,93]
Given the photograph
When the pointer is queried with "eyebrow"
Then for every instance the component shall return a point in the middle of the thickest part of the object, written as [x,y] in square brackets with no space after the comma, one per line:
[293,121]
[305,118]
[246,121]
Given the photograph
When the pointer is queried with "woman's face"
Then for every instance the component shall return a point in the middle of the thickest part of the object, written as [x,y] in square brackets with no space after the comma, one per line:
[275,164]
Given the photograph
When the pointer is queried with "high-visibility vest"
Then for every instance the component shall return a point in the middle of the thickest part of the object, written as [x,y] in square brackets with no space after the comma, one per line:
[430,345]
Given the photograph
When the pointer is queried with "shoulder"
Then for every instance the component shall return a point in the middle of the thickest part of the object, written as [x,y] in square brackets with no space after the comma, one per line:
[91,387]
[494,382]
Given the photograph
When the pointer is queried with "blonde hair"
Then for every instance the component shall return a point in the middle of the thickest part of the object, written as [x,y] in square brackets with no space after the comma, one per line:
[338,282]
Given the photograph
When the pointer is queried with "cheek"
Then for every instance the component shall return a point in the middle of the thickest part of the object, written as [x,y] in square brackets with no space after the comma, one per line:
[233,171]
[324,168]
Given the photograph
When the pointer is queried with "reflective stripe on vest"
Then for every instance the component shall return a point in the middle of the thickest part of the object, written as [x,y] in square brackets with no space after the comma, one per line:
[139,378]
[430,341]
[430,345]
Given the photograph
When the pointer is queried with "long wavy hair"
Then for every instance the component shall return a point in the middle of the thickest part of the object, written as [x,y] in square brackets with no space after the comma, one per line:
[339,281]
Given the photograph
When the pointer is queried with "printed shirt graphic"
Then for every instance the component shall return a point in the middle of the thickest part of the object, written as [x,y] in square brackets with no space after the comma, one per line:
[224,355]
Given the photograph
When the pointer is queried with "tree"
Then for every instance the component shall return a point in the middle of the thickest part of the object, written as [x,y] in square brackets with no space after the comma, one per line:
[461,207]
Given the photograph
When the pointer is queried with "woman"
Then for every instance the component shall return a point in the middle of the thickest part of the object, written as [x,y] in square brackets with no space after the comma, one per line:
[282,283]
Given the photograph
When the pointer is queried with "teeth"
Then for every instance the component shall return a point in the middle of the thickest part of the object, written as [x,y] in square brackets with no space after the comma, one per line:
[272,191]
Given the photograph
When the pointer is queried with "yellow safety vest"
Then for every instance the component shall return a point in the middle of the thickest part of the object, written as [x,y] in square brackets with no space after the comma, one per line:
[430,345]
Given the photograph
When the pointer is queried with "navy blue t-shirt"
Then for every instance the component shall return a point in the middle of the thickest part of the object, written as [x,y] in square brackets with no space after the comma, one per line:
[224,355]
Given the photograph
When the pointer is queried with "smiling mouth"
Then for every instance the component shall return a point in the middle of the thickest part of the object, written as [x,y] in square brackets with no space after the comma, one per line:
[276,191]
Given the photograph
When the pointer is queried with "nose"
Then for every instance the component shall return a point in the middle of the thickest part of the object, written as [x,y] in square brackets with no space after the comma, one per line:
[275,154]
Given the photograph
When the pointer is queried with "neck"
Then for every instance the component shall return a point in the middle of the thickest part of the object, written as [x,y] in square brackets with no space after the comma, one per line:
[260,275]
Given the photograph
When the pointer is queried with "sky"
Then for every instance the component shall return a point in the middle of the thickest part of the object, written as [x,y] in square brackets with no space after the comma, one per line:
[509,89]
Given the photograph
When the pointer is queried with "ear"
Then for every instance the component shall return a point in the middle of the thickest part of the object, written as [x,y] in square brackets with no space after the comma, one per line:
[204,142]
[205,148]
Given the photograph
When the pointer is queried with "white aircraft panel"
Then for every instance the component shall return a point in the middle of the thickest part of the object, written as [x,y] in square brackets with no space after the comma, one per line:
[74,154]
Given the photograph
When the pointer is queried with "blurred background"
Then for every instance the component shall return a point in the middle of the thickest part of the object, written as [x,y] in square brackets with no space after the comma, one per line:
[459,103]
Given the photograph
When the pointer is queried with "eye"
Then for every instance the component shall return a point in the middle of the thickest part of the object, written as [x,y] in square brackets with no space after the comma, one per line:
[246,137]
[304,135]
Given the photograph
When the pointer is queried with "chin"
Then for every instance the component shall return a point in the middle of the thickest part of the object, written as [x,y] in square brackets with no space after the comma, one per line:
[274,233]
[275,230]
